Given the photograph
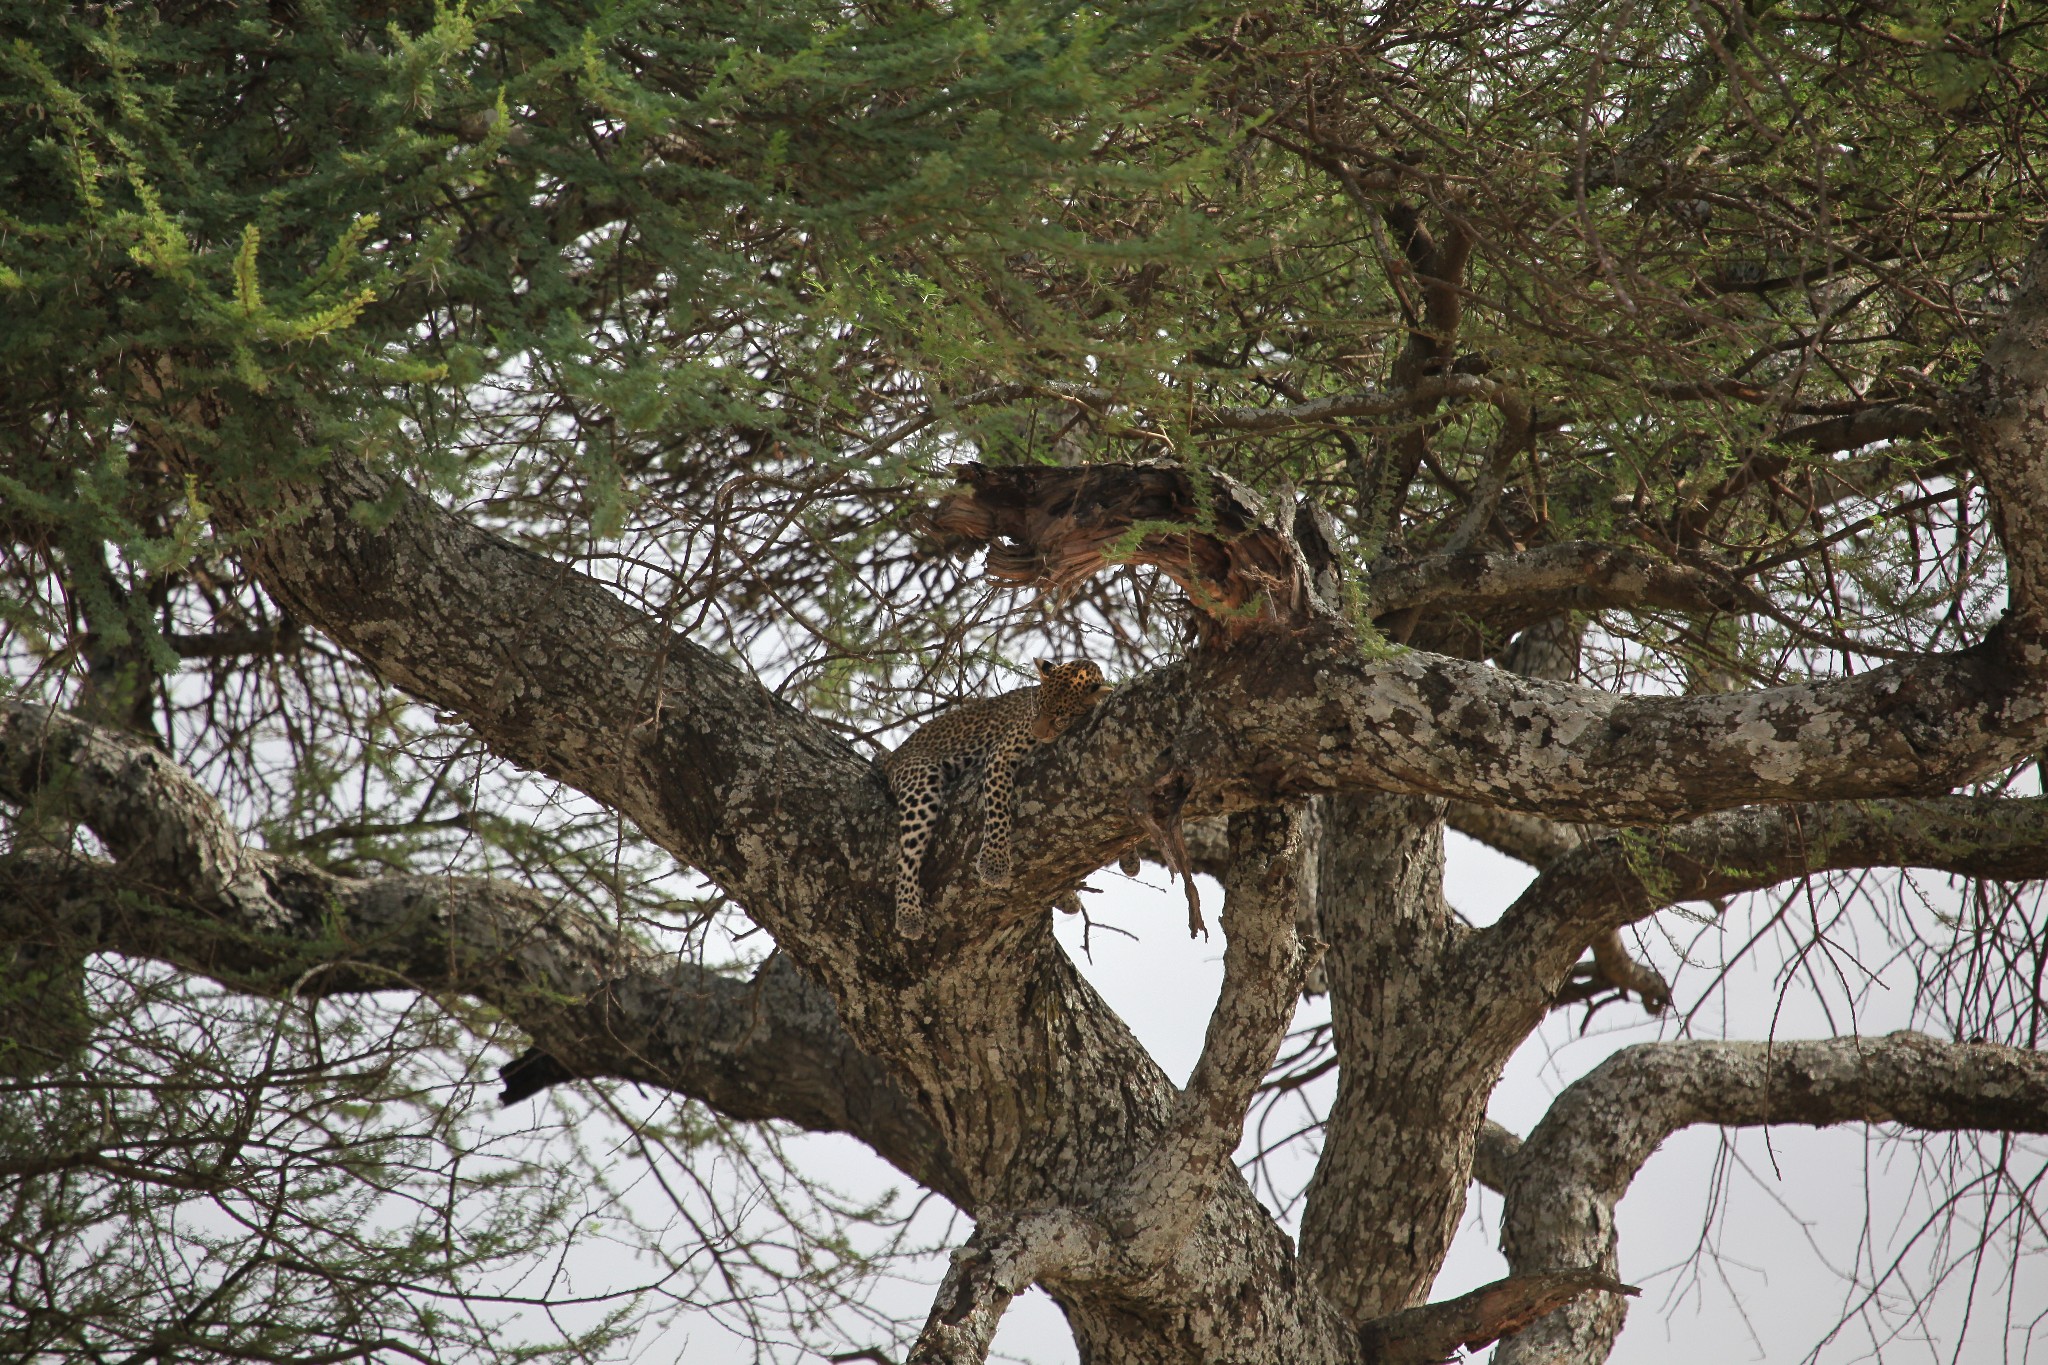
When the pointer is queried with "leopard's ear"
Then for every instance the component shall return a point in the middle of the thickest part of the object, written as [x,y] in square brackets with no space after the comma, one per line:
[1045,668]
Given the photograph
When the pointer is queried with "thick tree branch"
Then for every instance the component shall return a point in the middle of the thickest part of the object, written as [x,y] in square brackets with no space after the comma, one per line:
[1313,713]
[1426,389]
[1004,1258]
[2002,414]
[1540,843]
[186,890]
[1494,1156]
[558,674]
[1263,968]
[1580,1160]
[162,827]
[1133,1232]
[1526,838]
[554,672]
[1397,1142]
[1242,418]
[1626,875]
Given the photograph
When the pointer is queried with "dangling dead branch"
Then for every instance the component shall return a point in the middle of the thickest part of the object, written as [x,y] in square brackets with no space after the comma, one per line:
[1243,565]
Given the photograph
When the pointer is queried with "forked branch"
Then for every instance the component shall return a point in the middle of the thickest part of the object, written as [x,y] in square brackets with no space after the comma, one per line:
[187,890]
[1132,1233]
[1563,1185]
[1263,968]
[1001,1260]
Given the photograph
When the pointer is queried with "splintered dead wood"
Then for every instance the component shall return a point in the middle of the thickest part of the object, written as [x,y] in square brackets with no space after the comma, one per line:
[1439,1331]
[1052,527]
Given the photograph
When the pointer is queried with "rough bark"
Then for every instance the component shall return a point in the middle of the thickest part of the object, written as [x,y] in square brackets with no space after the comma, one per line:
[1494,1155]
[1585,1153]
[1431,725]
[185,889]
[1134,1240]
[1264,964]
[1397,1148]
[1399,1145]
[1439,1331]
[2002,417]
[1625,876]
[1008,1083]
[1583,575]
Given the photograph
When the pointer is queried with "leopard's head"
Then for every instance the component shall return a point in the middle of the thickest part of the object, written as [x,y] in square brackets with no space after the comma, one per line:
[1065,692]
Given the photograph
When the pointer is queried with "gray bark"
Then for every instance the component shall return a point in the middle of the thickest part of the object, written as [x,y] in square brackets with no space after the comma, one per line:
[1582,1158]
[977,1059]
[185,889]
[1397,1149]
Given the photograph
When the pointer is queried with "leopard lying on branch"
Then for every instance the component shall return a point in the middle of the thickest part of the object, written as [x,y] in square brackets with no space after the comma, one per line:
[988,735]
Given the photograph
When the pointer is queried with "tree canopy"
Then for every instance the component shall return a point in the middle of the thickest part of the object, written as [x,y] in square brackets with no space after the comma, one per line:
[482,483]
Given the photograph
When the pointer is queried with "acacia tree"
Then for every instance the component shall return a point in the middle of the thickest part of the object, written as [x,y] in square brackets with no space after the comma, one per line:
[1620,432]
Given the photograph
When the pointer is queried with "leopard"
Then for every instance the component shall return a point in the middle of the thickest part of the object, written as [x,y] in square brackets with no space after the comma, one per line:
[988,735]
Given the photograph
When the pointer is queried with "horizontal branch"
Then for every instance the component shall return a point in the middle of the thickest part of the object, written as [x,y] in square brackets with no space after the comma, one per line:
[1581,575]
[1582,1157]
[1331,713]
[1863,427]
[1246,418]
[1526,838]
[185,890]
[1372,403]
[1624,876]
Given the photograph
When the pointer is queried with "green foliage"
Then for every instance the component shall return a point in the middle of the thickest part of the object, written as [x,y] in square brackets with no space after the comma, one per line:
[700,297]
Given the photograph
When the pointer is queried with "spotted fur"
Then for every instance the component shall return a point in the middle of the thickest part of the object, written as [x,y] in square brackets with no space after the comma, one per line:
[988,735]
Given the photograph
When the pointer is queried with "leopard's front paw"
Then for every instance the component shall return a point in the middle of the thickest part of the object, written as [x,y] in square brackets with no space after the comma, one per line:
[994,867]
[909,914]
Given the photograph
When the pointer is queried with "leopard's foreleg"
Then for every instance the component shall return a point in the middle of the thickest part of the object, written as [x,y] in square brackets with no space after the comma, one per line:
[998,799]
[917,790]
